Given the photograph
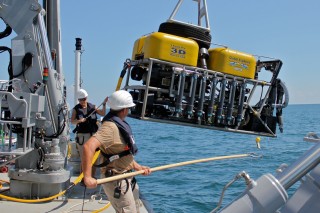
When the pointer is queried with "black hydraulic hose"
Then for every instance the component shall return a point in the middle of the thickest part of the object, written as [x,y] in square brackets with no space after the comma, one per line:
[6,32]
[60,128]
[276,70]
[280,94]
[26,64]
[10,71]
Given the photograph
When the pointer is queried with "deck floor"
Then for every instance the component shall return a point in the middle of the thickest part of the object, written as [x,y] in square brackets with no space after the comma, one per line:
[76,199]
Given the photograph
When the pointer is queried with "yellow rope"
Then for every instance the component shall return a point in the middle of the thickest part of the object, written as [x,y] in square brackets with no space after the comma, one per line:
[51,197]
[103,208]
[4,181]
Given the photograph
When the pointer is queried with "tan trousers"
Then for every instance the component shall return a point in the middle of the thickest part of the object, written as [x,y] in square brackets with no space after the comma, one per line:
[82,138]
[128,202]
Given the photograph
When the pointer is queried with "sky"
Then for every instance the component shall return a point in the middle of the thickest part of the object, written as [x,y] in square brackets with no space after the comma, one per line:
[282,29]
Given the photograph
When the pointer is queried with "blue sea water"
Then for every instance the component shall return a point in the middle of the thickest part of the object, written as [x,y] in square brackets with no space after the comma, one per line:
[197,188]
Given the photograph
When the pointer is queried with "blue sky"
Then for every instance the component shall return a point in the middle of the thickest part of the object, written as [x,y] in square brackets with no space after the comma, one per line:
[287,30]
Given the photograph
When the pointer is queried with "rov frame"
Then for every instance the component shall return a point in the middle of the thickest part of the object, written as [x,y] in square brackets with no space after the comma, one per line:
[192,96]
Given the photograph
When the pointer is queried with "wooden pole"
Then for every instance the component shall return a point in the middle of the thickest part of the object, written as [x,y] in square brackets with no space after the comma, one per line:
[131,174]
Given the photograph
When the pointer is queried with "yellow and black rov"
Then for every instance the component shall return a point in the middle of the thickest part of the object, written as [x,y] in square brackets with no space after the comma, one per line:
[175,77]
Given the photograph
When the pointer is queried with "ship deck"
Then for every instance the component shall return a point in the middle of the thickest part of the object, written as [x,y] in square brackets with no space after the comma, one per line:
[77,199]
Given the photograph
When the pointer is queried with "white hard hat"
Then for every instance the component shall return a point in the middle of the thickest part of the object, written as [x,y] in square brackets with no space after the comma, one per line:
[82,94]
[120,99]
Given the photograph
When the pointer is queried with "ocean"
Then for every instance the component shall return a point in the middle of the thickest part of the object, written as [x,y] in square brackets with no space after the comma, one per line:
[197,188]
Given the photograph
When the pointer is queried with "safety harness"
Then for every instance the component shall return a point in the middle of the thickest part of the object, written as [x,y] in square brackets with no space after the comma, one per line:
[90,125]
[110,158]
[126,132]
[124,129]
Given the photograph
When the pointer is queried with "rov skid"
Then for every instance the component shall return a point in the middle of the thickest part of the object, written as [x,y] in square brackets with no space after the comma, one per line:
[175,77]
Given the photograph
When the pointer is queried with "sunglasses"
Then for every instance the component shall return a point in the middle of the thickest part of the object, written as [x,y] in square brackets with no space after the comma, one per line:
[82,99]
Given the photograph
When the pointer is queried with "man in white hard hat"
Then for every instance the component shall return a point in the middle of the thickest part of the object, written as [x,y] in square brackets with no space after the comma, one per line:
[84,116]
[116,142]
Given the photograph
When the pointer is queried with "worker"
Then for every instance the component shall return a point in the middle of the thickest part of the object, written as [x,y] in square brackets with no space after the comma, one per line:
[116,142]
[84,116]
